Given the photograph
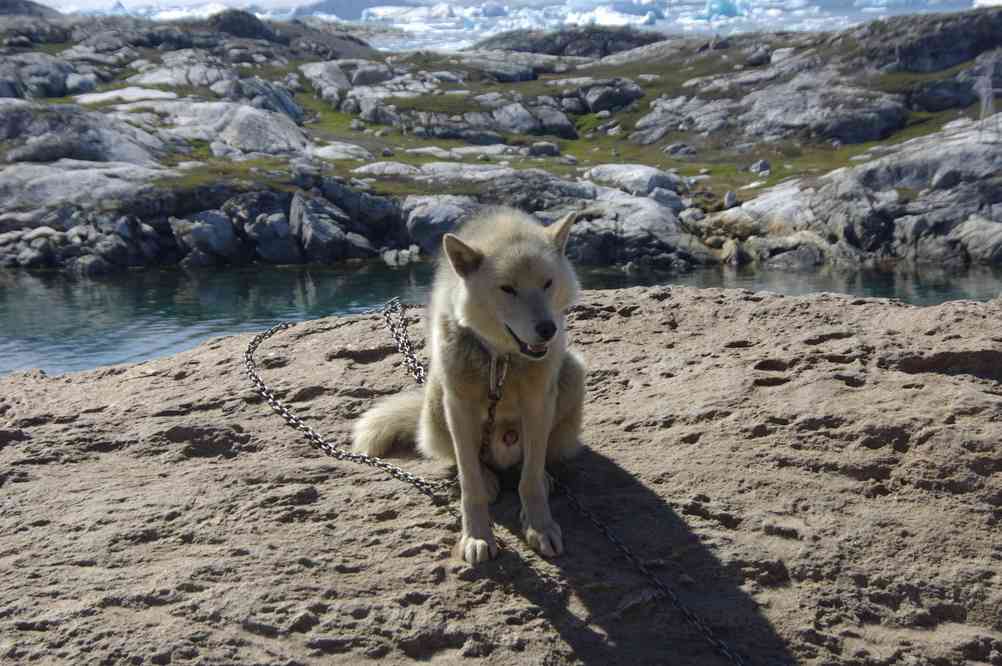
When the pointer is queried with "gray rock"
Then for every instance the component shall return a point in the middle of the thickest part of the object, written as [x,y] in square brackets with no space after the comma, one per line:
[516,118]
[981,239]
[625,228]
[821,104]
[544,149]
[678,149]
[187,67]
[114,250]
[929,43]
[573,105]
[801,258]
[273,239]
[635,178]
[373,110]
[668,198]
[610,95]
[553,121]
[760,167]
[374,217]
[207,238]
[371,74]
[328,79]
[90,265]
[322,231]
[730,199]
[261,94]
[34,74]
[80,83]
[431,217]
[237,127]
[760,55]
[942,95]
[585,41]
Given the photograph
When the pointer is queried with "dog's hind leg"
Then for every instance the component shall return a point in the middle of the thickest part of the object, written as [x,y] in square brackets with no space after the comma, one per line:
[565,437]
[433,438]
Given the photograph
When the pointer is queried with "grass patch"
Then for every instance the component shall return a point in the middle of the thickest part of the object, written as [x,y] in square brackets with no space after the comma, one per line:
[901,83]
[271,72]
[52,48]
[264,173]
[448,104]
[403,187]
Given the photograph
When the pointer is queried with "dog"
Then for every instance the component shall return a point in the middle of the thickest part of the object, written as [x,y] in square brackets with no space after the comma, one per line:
[501,289]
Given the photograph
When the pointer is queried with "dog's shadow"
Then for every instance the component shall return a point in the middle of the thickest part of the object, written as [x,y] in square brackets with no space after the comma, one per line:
[597,601]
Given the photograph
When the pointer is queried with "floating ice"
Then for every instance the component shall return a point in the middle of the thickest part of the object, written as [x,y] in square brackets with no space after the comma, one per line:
[724,9]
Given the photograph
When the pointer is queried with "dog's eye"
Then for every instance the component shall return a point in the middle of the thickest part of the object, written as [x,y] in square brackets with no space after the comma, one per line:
[549,283]
[509,290]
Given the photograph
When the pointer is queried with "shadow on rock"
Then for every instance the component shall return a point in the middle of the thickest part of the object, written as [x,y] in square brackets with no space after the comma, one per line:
[606,611]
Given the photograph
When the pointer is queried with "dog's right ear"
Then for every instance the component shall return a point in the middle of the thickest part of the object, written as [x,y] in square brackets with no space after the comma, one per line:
[464,259]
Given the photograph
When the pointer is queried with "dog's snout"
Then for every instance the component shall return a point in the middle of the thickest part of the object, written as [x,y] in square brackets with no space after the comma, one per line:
[546,329]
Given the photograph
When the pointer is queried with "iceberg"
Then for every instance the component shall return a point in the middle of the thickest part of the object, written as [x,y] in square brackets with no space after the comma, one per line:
[716,9]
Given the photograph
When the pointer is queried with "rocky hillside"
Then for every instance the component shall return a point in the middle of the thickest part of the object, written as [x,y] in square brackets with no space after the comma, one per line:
[125,143]
[819,478]
[592,41]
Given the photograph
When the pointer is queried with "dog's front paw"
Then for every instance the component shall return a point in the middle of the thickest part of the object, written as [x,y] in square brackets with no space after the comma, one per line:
[545,539]
[475,550]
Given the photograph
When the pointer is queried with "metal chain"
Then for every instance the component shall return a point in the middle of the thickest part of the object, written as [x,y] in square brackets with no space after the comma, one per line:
[663,590]
[394,316]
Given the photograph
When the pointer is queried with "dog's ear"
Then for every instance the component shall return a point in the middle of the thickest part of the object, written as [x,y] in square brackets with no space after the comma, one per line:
[464,259]
[560,230]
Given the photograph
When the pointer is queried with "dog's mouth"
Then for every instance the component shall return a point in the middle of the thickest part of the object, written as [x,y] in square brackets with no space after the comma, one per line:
[532,351]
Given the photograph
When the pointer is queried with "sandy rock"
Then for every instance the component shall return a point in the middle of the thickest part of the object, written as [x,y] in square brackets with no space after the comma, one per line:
[801,470]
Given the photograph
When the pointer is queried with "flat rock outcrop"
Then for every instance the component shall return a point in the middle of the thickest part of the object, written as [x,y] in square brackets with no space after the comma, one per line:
[818,477]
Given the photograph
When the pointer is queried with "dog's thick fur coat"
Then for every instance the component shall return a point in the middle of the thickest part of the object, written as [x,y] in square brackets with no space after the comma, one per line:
[502,287]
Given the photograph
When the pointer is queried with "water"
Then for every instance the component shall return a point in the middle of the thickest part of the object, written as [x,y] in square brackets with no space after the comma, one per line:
[61,325]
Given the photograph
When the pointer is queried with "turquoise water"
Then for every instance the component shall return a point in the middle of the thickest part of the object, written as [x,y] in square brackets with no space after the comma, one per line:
[61,325]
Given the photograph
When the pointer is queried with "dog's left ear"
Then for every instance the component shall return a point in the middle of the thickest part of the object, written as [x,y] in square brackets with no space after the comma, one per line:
[560,230]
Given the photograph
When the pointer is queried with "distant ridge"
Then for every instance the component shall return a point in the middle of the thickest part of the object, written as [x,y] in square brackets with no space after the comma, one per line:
[26,8]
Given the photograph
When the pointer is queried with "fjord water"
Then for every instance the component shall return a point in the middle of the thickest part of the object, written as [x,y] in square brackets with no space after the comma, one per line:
[60,325]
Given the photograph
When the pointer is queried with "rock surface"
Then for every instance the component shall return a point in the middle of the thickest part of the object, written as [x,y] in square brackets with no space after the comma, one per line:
[818,477]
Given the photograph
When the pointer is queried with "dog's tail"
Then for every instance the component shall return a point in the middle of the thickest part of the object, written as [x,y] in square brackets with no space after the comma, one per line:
[392,421]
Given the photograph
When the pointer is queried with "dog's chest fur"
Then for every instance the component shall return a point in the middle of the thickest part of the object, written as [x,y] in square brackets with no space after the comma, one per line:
[468,372]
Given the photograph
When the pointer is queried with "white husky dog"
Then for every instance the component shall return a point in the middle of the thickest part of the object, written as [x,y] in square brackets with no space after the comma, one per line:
[501,290]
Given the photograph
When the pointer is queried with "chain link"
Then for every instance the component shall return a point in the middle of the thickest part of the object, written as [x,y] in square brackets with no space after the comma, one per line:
[395,319]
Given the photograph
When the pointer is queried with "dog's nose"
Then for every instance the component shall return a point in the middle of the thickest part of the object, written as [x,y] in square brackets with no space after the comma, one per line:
[546,329]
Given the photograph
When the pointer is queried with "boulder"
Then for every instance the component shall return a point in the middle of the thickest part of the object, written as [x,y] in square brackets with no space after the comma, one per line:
[186,68]
[244,25]
[620,228]
[635,178]
[428,218]
[208,238]
[322,231]
[328,80]
[942,95]
[273,239]
[261,94]
[610,95]
[371,74]
[544,149]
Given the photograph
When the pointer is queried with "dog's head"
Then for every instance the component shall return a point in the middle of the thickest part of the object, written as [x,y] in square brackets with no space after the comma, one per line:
[518,286]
